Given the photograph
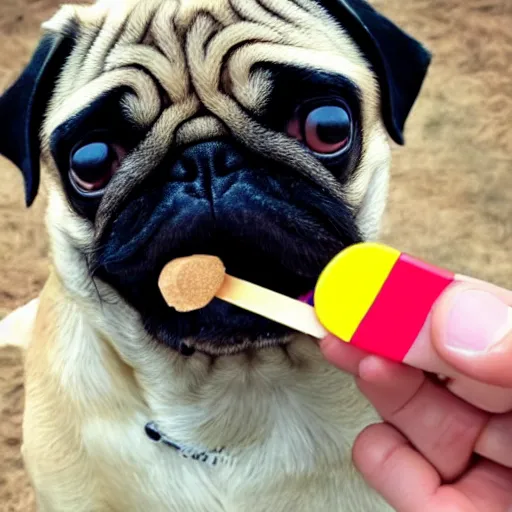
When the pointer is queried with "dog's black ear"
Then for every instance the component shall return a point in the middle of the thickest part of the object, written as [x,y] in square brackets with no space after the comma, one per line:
[22,108]
[399,61]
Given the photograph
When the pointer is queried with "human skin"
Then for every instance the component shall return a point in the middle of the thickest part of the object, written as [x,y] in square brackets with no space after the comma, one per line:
[442,445]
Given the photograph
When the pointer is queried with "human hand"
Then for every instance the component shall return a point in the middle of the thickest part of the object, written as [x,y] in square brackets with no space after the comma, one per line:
[443,445]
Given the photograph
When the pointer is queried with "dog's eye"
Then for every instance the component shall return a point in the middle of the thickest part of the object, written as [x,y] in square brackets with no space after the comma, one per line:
[326,130]
[92,166]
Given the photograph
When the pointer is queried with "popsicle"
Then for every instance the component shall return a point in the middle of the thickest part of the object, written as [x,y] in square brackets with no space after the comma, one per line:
[370,295]
[377,298]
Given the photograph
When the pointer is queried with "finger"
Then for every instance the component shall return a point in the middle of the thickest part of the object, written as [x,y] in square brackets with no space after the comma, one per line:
[484,396]
[488,486]
[495,441]
[443,428]
[472,332]
[502,293]
[410,484]
[485,487]
[394,469]
[342,355]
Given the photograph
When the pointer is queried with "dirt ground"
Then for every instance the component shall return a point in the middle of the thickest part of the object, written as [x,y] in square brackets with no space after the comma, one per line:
[451,194]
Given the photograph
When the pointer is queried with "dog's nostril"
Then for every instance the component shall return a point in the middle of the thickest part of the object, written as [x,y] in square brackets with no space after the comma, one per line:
[213,158]
[228,161]
[185,170]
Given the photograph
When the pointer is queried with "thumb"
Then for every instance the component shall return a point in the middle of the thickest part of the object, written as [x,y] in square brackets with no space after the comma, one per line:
[471,331]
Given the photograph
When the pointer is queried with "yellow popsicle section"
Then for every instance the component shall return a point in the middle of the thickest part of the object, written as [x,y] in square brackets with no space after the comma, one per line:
[361,270]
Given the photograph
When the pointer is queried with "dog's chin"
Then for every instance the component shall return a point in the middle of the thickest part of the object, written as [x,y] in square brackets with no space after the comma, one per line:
[237,331]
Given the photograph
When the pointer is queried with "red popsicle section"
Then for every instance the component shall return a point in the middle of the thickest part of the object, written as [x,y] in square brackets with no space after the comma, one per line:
[397,315]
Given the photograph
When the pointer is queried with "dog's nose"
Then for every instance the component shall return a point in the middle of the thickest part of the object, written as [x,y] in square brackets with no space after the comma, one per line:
[208,159]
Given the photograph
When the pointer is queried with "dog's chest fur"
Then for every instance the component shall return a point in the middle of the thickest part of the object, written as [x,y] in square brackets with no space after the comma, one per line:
[285,419]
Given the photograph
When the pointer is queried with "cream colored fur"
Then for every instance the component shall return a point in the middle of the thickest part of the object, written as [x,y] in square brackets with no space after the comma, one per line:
[93,376]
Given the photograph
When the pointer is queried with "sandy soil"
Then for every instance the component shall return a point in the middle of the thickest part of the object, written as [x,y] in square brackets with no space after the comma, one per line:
[451,197]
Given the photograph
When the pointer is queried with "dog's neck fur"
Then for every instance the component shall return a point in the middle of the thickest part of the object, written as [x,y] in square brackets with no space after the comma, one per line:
[282,415]
[240,402]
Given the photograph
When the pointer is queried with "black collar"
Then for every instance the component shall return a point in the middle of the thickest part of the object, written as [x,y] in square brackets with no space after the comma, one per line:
[211,457]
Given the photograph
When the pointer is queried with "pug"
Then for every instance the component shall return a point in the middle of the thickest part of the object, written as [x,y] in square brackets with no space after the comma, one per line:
[253,130]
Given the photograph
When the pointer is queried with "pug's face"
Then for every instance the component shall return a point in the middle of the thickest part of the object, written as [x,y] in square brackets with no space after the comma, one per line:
[253,130]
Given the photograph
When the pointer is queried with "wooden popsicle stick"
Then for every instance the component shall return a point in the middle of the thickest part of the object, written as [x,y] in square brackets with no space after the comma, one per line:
[272,305]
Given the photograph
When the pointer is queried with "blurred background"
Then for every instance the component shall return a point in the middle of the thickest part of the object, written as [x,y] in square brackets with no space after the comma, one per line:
[451,189]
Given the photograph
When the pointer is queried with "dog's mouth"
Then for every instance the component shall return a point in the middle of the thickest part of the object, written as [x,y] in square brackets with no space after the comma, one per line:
[272,233]
[219,328]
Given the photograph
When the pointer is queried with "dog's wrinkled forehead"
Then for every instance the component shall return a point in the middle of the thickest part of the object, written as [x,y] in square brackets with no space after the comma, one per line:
[186,70]
[176,59]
